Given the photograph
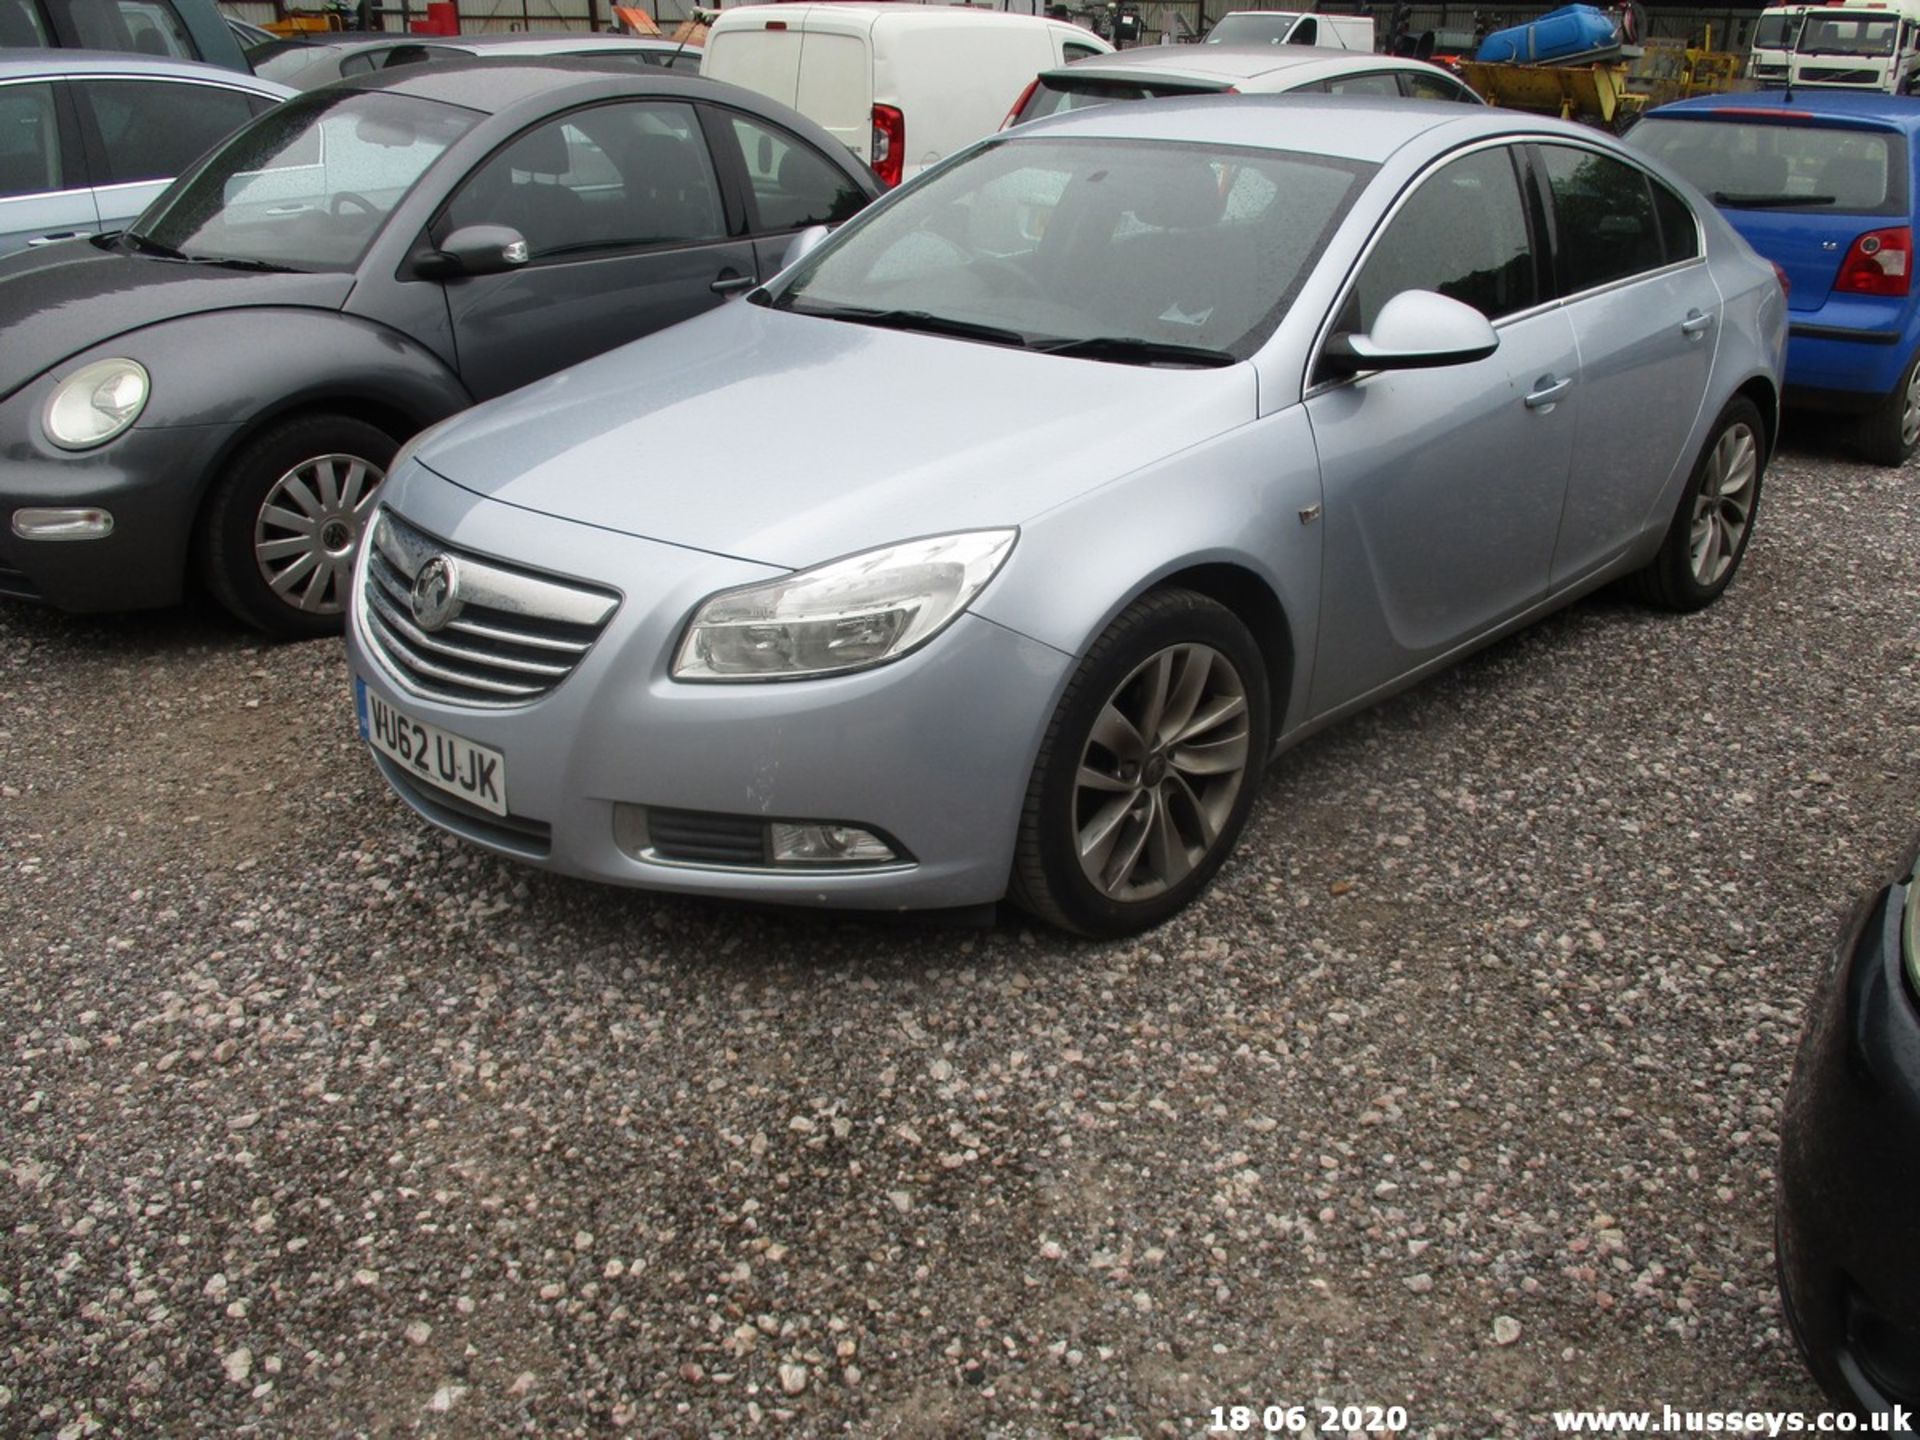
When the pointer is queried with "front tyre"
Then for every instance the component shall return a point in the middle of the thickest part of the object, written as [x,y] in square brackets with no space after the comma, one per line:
[1148,770]
[1889,433]
[1710,530]
[285,520]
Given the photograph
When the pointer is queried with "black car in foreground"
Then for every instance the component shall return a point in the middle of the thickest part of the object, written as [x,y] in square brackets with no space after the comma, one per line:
[1848,1215]
[216,393]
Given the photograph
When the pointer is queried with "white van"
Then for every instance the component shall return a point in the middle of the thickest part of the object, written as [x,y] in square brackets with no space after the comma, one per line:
[1293,27]
[901,85]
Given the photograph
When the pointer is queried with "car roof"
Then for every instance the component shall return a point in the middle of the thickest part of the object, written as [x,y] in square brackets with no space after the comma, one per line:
[1346,127]
[26,62]
[1229,63]
[1897,112]
[493,85]
[550,41]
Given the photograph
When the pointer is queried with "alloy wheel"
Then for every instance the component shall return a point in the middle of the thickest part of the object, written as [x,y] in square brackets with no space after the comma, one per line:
[1910,410]
[309,530]
[1157,779]
[1723,506]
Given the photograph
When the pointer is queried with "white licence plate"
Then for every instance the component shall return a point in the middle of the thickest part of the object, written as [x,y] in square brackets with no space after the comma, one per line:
[431,755]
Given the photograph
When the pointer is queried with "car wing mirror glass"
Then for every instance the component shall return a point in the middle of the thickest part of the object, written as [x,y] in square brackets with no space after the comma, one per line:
[1415,330]
[474,250]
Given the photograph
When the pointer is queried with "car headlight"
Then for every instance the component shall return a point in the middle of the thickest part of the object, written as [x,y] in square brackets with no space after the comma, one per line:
[96,403]
[844,615]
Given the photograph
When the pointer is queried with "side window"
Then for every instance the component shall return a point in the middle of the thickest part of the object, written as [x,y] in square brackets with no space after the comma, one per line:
[1073,50]
[1603,218]
[29,141]
[1462,233]
[154,129]
[611,177]
[362,62]
[1679,231]
[1377,83]
[1305,33]
[21,24]
[793,184]
[149,27]
[1421,86]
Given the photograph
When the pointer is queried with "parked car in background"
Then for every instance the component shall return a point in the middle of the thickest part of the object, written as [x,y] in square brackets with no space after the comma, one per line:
[175,29]
[1847,1247]
[899,85]
[1824,186]
[1085,473]
[217,392]
[1293,27]
[88,139]
[1156,71]
[308,64]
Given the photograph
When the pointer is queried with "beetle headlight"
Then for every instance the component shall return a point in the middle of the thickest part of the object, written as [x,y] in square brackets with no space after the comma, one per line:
[96,403]
[844,615]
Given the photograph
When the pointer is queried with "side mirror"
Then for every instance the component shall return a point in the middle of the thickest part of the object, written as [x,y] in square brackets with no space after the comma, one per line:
[474,250]
[1415,330]
[803,245]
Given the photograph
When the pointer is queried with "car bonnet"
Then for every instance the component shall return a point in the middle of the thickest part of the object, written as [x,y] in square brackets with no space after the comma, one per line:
[788,439]
[65,299]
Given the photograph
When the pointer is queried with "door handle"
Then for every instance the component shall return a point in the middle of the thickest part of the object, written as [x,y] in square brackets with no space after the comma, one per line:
[732,284]
[1696,324]
[39,240]
[1546,391]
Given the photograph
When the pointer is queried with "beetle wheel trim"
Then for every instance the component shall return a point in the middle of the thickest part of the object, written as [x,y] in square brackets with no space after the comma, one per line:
[309,528]
[1162,767]
[1723,508]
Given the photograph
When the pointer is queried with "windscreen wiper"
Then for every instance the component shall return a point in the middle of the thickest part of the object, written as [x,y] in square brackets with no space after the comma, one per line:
[1763,202]
[241,262]
[147,245]
[922,321]
[1131,350]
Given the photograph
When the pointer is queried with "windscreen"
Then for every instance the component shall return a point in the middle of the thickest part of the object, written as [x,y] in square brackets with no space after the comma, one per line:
[306,186]
[1849,35]
[1765,165]
[1267,27]
[1053,243]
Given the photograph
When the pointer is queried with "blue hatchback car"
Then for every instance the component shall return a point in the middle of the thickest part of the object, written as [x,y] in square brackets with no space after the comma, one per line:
[1822,183]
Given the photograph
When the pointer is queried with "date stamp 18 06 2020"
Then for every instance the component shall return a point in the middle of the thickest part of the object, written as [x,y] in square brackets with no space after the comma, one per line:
[1343,1420]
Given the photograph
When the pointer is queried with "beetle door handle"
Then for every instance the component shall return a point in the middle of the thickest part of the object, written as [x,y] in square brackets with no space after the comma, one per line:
[40,240]
[732,284]
[1546,390]
[1697,323]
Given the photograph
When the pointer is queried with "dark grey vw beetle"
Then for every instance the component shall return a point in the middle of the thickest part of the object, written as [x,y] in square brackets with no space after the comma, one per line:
[217,392]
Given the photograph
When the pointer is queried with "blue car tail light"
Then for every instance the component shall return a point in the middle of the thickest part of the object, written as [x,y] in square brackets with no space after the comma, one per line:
[1879,262]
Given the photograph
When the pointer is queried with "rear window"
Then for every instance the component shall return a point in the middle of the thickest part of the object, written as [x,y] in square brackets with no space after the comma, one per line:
[21,25]
[1056,94]
[1762,165]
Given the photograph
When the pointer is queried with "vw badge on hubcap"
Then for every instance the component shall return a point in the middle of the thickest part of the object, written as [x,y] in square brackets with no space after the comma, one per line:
[436,593]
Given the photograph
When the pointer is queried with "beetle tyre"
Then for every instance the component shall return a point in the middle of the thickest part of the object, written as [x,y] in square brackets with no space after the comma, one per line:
[284,521]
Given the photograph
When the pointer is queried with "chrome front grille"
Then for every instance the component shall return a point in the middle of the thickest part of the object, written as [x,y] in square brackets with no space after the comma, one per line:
[512,637]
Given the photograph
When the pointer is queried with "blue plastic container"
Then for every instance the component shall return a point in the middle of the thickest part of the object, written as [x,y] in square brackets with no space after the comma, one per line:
[1570,30]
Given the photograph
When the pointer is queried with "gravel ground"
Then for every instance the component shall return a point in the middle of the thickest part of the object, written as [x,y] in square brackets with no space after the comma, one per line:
[1457,1093]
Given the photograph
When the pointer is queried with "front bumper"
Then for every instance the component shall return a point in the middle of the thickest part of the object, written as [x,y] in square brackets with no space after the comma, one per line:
[932,751]
[149,480]
[1848,1245]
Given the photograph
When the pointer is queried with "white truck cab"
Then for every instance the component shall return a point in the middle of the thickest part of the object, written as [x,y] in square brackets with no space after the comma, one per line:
[1293,27]
[1774,36]
[902,86]
[1860,45]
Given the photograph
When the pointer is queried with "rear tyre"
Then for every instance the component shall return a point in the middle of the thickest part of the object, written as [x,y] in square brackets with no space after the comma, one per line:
[1148,770]
[1889,433]
[285,519]
[1714,521]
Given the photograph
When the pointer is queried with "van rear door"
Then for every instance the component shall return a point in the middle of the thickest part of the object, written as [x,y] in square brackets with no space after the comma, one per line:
[763,57]
[836,85]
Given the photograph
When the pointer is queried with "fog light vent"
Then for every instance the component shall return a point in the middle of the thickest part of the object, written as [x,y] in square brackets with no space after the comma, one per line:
[748,842]
[79,523]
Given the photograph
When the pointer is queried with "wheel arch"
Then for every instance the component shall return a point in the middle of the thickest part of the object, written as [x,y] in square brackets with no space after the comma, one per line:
[1766,398]
[1254,603]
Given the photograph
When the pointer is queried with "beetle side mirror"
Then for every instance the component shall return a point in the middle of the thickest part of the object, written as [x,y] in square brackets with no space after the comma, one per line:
[804,244]
[474,250]
[1415,330]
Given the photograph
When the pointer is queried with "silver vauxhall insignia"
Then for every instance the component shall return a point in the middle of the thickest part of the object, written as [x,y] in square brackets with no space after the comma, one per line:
[993,548]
